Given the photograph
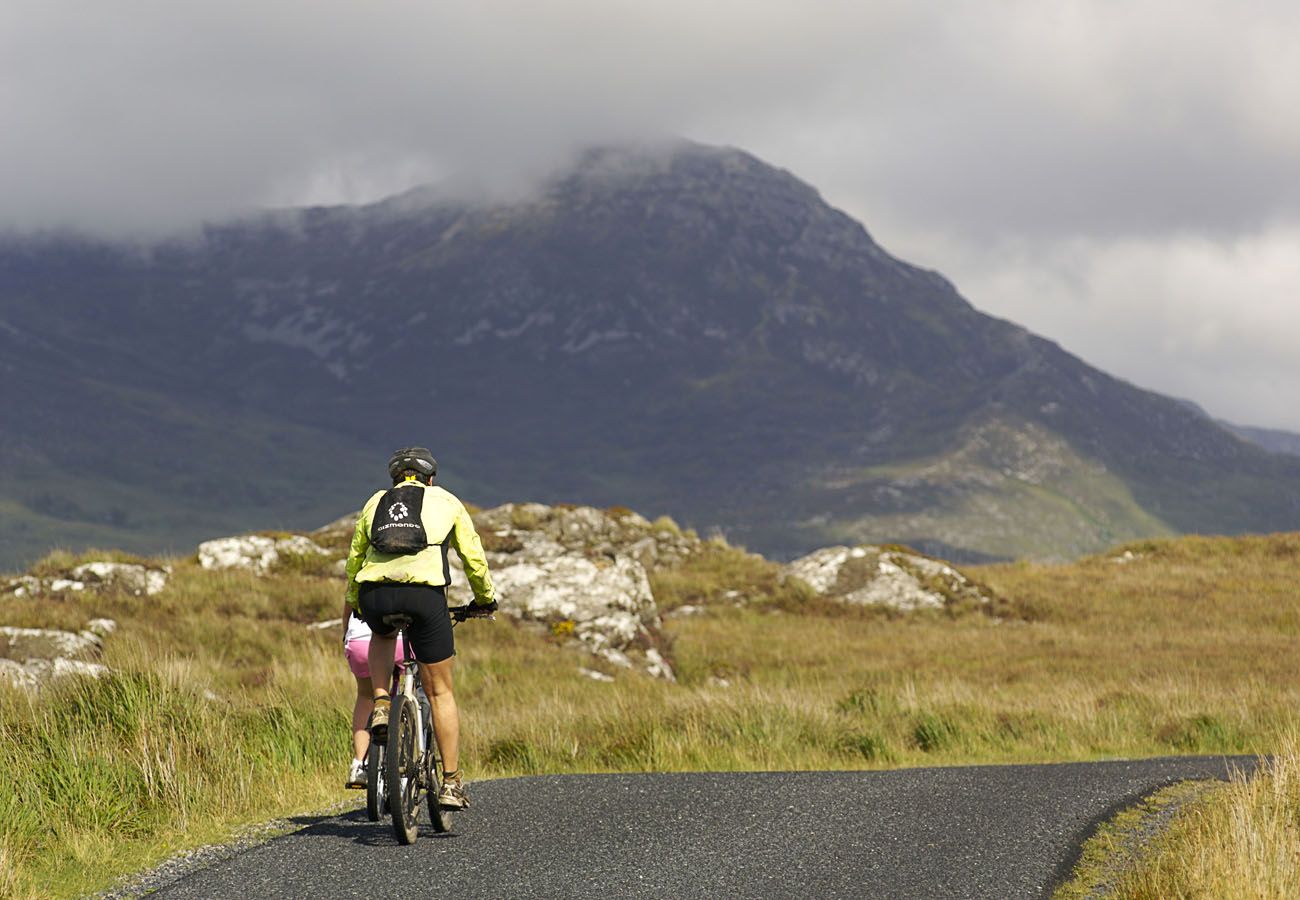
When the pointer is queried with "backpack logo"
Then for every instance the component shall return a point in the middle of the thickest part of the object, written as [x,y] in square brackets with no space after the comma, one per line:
[398,525]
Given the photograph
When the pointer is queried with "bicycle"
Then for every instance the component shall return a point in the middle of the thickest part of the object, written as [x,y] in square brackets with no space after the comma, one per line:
[408,755]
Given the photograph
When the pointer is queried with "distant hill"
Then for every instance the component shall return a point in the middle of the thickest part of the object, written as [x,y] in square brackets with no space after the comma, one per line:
[684,330]
[1271,439]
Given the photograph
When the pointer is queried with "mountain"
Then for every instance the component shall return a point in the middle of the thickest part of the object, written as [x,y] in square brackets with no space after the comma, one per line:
[1271,439]
[683,330]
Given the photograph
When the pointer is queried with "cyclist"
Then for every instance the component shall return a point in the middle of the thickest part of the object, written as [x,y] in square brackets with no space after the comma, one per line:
[356,650]
[398,563]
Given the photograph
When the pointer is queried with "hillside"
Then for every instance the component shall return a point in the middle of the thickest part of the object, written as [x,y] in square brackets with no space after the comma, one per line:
[684,329]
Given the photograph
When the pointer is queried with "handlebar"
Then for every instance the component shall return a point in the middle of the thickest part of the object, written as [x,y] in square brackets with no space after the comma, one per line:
[469,611]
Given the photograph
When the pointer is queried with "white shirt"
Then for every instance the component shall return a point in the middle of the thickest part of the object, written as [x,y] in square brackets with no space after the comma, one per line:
[357,629]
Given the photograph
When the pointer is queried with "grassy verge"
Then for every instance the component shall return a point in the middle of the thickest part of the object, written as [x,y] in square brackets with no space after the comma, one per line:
[1121,846]
[1241,839]
[224,709]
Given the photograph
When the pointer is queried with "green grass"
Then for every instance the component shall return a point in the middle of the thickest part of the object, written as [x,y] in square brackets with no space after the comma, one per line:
[1008,491]
[225,710]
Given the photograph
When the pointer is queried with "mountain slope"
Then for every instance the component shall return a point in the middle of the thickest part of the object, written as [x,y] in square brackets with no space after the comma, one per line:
[684,330]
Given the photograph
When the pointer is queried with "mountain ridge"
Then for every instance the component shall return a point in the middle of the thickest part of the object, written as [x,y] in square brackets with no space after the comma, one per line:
[685,331]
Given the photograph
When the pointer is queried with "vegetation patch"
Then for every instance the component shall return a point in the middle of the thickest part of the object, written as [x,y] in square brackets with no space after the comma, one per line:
[223,709]
[1239,839]
[1120,846]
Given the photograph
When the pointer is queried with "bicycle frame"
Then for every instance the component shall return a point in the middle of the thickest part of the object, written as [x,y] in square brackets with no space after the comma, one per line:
[413,768]
[405,675]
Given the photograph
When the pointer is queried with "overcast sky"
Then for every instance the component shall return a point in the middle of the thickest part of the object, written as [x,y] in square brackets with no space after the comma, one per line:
[1121,177]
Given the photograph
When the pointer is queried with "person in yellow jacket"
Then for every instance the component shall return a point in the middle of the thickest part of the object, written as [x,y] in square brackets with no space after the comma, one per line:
[398,563]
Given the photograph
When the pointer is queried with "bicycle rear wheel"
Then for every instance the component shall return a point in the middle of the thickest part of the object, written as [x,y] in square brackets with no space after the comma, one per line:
[403,769]
[376,799]
[440,818]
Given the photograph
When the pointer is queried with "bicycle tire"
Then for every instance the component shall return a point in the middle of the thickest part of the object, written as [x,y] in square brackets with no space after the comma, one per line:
[439,818]
[376,778]
[403,769]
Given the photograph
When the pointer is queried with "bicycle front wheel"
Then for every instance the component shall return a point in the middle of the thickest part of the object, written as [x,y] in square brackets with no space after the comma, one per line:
[403,769]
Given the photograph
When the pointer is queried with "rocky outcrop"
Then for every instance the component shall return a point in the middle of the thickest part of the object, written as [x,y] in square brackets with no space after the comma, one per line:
[99,575]
[584,530]
[576,573]
[30,656]
[581,572]
[891,577]
[254,552]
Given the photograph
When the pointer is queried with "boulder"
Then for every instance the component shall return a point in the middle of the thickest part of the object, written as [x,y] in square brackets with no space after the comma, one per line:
[23,644]
[581,572]
[134,579]
[22,586]
[587,531]
[99,575]
[30,656]
[254,552]
[882,576]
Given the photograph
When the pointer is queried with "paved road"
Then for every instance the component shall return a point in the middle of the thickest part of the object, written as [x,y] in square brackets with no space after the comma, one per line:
[985,831]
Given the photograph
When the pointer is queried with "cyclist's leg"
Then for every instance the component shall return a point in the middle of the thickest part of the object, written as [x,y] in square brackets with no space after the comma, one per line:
[356,652]
[381,660]
[446,718]
[361,718]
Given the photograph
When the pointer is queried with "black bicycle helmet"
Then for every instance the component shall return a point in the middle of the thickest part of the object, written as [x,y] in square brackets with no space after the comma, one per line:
[418,459]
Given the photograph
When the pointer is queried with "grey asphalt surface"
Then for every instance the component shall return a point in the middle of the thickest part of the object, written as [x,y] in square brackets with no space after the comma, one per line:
[968,832]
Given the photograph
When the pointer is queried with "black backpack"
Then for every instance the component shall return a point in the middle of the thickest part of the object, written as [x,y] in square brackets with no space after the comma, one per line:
[397,526]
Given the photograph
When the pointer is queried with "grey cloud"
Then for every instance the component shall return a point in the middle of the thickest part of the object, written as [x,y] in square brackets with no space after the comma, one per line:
[1002,117]
[1215,322]
[1023,148]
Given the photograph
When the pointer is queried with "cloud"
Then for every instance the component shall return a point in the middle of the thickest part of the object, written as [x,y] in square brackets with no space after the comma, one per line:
[1002,117]
[141,112]
[1211,321]
[1071,165]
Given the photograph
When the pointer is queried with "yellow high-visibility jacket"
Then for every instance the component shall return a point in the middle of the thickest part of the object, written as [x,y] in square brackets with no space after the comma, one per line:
[448,526]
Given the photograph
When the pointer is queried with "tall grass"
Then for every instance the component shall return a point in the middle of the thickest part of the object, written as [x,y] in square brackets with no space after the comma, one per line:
[223,709]
[1238,840]
[208,720]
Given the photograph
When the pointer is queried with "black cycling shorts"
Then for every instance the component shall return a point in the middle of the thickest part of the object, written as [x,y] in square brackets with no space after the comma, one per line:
[430,631]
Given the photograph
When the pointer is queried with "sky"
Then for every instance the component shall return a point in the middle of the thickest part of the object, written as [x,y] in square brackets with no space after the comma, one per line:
[1120,177]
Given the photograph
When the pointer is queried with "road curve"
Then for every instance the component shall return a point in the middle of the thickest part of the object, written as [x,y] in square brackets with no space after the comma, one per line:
[963,832]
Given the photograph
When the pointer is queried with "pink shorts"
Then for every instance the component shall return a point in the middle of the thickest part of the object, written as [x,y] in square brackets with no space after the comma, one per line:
[358,656]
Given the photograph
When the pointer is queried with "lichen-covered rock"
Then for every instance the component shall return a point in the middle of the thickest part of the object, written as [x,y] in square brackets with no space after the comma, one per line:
[889,577]
[22,586]
[16,674]
[101,627]
[23,644]
[31,656]
[32,586]
[254,552]
[338,533]
[99,575]
[585,530]
[135,579]
[39,670]
[581,572]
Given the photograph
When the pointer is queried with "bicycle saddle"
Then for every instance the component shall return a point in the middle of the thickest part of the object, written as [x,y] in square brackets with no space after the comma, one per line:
[398,620]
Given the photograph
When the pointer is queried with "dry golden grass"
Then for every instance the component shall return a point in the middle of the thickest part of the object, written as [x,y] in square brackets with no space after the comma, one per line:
[1240,840]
